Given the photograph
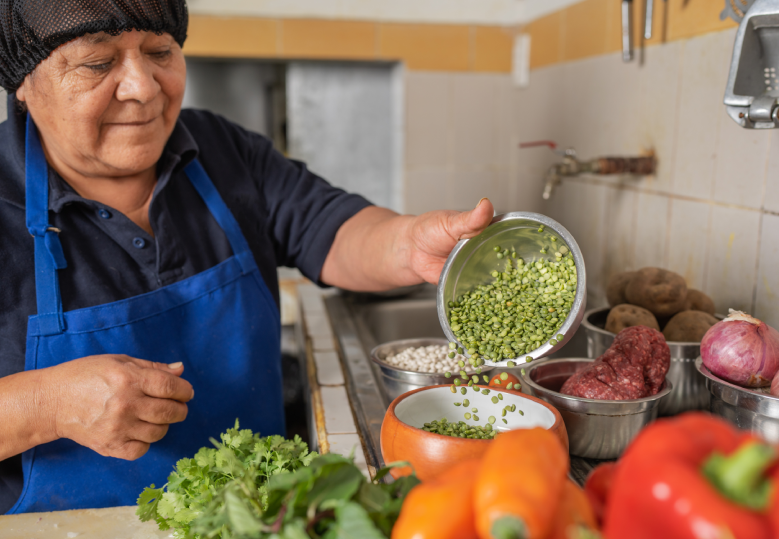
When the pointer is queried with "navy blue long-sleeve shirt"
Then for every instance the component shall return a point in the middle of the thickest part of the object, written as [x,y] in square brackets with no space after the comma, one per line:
[288,215]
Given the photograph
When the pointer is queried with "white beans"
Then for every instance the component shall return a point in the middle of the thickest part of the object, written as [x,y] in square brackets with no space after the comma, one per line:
[432,358]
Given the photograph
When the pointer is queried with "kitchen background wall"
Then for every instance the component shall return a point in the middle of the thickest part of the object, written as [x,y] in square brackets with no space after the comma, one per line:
[711,212]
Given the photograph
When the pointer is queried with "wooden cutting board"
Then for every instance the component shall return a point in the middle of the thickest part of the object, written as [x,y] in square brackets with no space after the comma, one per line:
[110,523]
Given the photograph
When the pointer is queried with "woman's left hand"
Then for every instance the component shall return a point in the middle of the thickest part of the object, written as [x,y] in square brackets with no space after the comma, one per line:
[434,234]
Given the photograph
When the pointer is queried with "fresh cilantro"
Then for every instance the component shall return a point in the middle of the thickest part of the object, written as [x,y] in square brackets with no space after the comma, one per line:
[196,482]
[271,488]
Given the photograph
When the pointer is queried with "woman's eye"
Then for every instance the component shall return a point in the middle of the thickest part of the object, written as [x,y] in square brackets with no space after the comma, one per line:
[99,67]
[161,55]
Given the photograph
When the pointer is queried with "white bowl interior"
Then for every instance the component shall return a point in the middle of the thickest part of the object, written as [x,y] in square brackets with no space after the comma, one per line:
[436,403]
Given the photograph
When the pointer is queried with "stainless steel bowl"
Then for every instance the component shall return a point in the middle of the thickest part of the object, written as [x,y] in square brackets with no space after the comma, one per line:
[749,410]
[471,262]
[597,429]
[689,391]
[398,381]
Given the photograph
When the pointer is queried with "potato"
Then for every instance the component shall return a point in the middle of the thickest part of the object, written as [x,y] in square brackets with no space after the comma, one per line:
[615,290]
[625,316]
[661,292]
[698,301]
[688,326]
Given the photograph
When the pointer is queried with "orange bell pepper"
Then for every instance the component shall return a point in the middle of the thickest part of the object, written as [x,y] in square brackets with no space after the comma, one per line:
[440,508]
[691,477]
[573,513]
[520,482]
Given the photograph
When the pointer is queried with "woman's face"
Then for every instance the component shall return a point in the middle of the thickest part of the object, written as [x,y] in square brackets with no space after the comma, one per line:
[106,105]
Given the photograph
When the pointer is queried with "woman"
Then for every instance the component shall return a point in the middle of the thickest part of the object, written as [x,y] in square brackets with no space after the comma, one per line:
[139,247]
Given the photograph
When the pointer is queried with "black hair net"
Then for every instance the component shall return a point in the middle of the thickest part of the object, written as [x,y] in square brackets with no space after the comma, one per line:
[31,29]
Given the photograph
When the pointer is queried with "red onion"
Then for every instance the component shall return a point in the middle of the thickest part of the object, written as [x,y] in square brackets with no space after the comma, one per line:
[775,386]
[742,349]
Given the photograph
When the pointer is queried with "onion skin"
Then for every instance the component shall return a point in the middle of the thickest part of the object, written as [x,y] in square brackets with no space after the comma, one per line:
[742,350]
[775,386]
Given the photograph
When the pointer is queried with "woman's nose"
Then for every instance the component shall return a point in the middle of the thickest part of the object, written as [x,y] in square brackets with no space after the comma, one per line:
[136,80]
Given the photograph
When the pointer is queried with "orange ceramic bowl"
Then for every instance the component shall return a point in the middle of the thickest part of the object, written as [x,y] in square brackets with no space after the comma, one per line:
[402,437]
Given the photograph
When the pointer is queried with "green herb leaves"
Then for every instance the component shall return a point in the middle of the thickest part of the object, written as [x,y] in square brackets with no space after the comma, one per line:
[270,488]
[197,481]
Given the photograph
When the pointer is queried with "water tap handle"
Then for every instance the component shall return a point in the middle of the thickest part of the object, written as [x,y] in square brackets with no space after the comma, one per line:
[570,152]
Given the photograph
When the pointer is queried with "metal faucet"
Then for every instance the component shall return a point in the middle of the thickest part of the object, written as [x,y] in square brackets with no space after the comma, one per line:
[571,166]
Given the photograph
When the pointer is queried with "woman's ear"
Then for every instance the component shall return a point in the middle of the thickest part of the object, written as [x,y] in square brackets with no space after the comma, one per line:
[20,91]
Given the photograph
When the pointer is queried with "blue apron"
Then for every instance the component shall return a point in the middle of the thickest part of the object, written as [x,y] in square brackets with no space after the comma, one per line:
[223,324]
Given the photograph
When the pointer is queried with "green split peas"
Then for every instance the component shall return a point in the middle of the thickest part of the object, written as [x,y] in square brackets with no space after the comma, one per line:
[520,310]
[461,429]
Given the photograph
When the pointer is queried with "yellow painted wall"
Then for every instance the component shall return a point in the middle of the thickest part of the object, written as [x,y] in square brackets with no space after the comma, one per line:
[429,47]
[585,29]
[593,27]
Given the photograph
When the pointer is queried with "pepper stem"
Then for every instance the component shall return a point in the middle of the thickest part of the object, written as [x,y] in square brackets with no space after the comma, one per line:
[509,527]
[740,477]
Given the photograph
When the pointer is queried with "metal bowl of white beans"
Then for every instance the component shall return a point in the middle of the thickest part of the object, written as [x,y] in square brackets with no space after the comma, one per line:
[532,238]
[399,380]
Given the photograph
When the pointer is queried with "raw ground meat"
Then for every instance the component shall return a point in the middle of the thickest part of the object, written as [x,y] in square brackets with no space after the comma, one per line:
[632,368]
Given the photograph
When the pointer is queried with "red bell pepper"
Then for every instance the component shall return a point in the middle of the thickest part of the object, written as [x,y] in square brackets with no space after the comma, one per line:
[597,488]
[693,477]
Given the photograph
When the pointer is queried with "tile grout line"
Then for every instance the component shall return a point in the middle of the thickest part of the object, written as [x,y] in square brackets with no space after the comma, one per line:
[760,226]
[597,181]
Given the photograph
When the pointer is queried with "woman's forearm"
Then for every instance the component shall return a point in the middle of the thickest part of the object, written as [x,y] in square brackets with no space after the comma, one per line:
[371,252]
[26,413]
[377,249]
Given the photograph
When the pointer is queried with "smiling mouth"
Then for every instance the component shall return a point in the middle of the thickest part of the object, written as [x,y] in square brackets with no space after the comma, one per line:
[133,124]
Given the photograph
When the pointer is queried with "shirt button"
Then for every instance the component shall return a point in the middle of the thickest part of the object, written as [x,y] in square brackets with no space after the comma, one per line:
[105,214]
[139,243]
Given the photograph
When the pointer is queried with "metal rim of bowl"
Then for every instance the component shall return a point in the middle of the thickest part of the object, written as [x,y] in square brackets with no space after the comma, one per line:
[762,403]
[592,327]
[569,325]
[414,343]
[580,404]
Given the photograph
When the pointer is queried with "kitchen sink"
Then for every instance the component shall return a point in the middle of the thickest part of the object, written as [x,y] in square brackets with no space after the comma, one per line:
[414,316]
[363,321]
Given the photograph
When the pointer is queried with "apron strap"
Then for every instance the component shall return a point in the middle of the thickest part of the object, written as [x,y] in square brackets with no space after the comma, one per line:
[49,256]
[205,188]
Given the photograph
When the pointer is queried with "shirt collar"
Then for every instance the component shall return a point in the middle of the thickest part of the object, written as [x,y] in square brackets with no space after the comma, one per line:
[180,150]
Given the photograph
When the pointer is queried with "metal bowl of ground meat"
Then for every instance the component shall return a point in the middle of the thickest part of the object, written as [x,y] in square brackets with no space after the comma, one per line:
[689,391]
[597,429]
[401,378]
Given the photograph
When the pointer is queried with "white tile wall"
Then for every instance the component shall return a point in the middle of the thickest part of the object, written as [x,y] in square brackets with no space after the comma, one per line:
[767,289]
[732,259]
[651,231]
[688,241]
[699,112]
[462,144]
[742,154]
[771,200]
[708,213]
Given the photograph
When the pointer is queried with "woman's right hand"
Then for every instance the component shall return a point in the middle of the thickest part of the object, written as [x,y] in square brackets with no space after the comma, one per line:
[116,405]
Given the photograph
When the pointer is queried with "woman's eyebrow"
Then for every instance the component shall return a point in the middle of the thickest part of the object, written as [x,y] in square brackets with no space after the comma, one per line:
[94,39]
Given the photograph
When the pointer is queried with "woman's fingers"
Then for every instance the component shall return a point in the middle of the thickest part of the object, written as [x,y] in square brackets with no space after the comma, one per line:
[164,385]
[148,433]
[174,368]
[161,411]
[471,223]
